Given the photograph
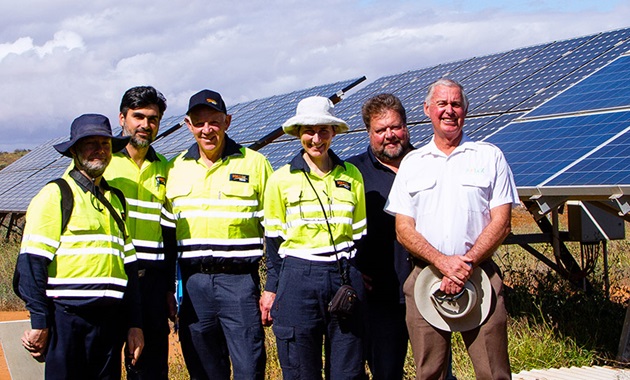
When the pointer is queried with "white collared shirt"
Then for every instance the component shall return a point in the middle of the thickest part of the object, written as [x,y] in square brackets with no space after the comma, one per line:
[450,197]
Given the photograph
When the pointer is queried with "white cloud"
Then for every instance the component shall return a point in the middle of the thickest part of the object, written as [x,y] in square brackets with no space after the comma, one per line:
[58,61]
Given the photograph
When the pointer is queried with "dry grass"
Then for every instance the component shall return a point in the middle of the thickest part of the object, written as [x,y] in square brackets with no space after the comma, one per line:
[551,323]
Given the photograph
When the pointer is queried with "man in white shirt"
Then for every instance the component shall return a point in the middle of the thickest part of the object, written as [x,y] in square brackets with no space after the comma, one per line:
[453,199]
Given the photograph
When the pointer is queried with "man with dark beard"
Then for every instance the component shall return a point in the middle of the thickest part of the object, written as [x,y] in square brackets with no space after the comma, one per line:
[382,260]
[80,282]
[140,172]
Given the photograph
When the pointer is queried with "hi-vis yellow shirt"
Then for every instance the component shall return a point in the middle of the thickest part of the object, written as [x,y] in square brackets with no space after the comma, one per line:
[219,210]
[293,212]
[87,260]
[147,208]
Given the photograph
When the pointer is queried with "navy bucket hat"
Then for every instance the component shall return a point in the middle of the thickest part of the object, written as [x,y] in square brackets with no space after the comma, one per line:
[91,125]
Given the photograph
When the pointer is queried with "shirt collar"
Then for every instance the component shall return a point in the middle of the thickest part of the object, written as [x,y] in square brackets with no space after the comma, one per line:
[465,143]
[298,162]
[151,154]
[232,148]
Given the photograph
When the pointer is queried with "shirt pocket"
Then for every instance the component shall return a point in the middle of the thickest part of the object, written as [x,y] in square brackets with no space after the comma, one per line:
[241,201]
[343,202]
[421,193]
[475,193]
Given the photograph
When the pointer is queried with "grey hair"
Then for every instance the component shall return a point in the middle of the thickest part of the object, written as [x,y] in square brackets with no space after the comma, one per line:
[448,83]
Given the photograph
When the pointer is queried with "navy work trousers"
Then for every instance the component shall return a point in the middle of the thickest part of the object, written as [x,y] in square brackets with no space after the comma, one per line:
[220,320]
[153,363]
[302,323]
[85,344]
[386,339]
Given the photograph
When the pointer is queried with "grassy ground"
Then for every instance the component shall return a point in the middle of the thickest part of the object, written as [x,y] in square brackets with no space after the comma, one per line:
[551,323]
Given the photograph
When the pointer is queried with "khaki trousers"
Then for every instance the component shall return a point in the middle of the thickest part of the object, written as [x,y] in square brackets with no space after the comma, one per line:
[486,344]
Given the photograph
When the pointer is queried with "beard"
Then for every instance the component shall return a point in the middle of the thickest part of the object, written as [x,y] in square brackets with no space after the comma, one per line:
[93,168]
[138,142]
[388,155]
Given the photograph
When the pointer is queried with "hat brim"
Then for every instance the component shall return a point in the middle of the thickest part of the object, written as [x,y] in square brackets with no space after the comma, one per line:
[429,276]
[292,126]
[118,144]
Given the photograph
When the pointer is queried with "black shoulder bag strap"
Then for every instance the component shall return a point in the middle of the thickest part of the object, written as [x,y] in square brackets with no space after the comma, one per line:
[121,224]
[342,271]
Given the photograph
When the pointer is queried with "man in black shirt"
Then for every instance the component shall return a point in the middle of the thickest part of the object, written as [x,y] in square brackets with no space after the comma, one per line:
[382,260]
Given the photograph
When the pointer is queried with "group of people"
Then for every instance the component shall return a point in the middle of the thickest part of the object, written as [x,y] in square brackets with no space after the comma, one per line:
[98,263]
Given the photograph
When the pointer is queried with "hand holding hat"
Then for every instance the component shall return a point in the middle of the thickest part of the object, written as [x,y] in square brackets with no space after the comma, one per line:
[457,312]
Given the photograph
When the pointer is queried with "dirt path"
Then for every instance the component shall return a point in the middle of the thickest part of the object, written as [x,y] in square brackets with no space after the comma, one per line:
[9,316]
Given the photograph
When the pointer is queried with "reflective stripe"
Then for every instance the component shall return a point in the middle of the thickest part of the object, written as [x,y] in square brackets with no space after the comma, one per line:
[165,223]
[91,238]
[144,216]
[138,244]
[218,214]
[215,253]
[89,251]
[321,258]
[196,202]
[130,259]
[322,221]
[41,239]
[150,256]
[211,241]
[85,293]
[87,281]
[145,204]
[37,252]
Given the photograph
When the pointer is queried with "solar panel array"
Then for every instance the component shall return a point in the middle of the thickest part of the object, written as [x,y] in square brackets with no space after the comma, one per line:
[560,111]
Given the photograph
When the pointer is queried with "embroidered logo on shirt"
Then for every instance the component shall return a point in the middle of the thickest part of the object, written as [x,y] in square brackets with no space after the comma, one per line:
[159,180]
[345,184]
[244,178]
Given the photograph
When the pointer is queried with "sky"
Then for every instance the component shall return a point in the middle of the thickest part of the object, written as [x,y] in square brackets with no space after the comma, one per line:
[60,59]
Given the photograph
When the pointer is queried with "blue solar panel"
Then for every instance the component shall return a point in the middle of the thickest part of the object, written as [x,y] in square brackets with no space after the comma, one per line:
[606,166]
[538,149]
[490,125]
[549,64]
[605,89]
[597,52]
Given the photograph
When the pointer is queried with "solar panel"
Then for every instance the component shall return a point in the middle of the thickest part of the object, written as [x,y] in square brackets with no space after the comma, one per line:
[607,165]
[562,142]
[600,50]
[537,149]
[548,64]
[605,89]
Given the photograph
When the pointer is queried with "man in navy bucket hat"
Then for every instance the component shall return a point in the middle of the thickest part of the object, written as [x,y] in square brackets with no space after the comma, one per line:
[90,125]
[78,275]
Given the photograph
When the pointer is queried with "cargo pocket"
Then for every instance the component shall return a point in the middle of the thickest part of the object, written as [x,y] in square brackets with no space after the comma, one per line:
[285,341]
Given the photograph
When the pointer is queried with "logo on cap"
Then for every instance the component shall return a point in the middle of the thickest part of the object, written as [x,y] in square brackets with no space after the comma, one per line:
[209,100]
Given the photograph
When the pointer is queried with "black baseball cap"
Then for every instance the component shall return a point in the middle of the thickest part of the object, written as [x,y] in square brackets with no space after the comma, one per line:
[208,98]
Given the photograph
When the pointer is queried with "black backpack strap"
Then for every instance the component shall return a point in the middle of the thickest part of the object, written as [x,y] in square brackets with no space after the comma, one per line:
[67,204]
[121,197]
[67,201]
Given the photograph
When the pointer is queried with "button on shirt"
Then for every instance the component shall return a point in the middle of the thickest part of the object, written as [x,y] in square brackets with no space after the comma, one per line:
[450,197]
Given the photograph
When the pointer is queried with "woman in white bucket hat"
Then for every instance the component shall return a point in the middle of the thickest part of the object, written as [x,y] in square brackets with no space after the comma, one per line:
[314,214]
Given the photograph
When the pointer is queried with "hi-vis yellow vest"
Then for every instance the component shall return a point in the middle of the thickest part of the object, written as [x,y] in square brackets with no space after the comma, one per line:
[219,210]
[87,259]
[147,208]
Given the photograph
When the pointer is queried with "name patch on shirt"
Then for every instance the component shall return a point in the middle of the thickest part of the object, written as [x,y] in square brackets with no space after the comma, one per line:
[244,178]
[345,184]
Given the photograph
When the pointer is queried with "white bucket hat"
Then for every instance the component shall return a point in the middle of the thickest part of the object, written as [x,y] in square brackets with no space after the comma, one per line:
[314,110]
[461,312]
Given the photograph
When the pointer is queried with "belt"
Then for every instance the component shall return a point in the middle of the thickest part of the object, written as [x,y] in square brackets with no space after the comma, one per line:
[226,267]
